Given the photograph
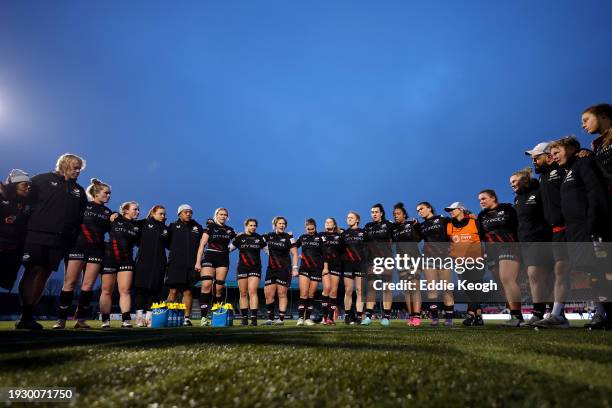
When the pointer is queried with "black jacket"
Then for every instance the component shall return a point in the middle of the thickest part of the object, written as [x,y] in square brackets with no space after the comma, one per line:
[184,240]
[583,200]
[151,259]
[532,226]
[14,214]
[550,185]
[603,158]
[57,207]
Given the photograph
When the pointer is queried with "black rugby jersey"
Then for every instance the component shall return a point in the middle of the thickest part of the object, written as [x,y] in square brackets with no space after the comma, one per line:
[14,216]
[499,224]
[353,248]
[124,234]
[312,256]
[279,247]
[434,229]
[96,223]
[332,248]
[219,237]
[249,248]
[603,158]
[378,235]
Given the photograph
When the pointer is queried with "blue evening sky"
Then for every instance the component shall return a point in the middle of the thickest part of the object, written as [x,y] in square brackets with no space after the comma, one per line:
[305,109]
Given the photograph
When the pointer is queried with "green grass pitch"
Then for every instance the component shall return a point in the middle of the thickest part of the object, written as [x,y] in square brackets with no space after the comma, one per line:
[341,366]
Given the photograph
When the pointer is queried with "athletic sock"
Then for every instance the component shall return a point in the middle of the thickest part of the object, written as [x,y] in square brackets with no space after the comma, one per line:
[324,306]
[333,306]
[302,308]
[449,311]
[105,317]
[281,315]
[204,300]
[369,313]
[218,299]
[309,308]
[270,309]
[557,309]
[126,317]
[65,301]
[539,309]
[26,313]
[84,308]
[517,313]
[387,314]
[254,316]
[245,315]
[434,311]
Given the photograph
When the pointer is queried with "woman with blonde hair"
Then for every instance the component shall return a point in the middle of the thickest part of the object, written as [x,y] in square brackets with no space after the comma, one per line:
[353,256]
[86,256]
[213,260]
[119,263]
[58,203]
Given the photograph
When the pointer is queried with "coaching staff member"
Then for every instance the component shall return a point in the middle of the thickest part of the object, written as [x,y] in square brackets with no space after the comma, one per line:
[58,203]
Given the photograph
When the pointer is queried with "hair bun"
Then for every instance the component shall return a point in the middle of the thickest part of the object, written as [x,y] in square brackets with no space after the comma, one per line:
[399,204]
[95,181]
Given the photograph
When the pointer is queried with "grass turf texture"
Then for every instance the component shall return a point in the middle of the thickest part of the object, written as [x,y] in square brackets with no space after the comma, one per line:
[314,366]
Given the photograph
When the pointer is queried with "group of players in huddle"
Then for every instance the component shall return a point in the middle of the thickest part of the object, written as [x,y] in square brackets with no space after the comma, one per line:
[50,218]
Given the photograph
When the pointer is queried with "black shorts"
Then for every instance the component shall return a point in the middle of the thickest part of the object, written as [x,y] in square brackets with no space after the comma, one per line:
[48,257]
[181,278]
[337,271]
[110,266]
[352,270]
[248,272]
[88,255]
[280,276]
[559,245]
[312,274]
[500,252]
[537,254]
[10,261]
[214,259]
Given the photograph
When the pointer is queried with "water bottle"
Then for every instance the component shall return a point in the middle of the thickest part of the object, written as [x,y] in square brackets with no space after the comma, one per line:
[599,247]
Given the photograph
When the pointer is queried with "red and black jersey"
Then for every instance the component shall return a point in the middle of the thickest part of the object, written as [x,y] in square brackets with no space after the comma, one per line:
[219,237]
[312,256]
[406,236]
[14,216]
[353,247]
[279,247]
[498,224]
[96,223]
[123,236]
[378,236]
[249,248]
[332,248]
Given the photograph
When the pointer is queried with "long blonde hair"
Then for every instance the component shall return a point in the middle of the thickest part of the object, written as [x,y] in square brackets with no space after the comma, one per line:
[63,162]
